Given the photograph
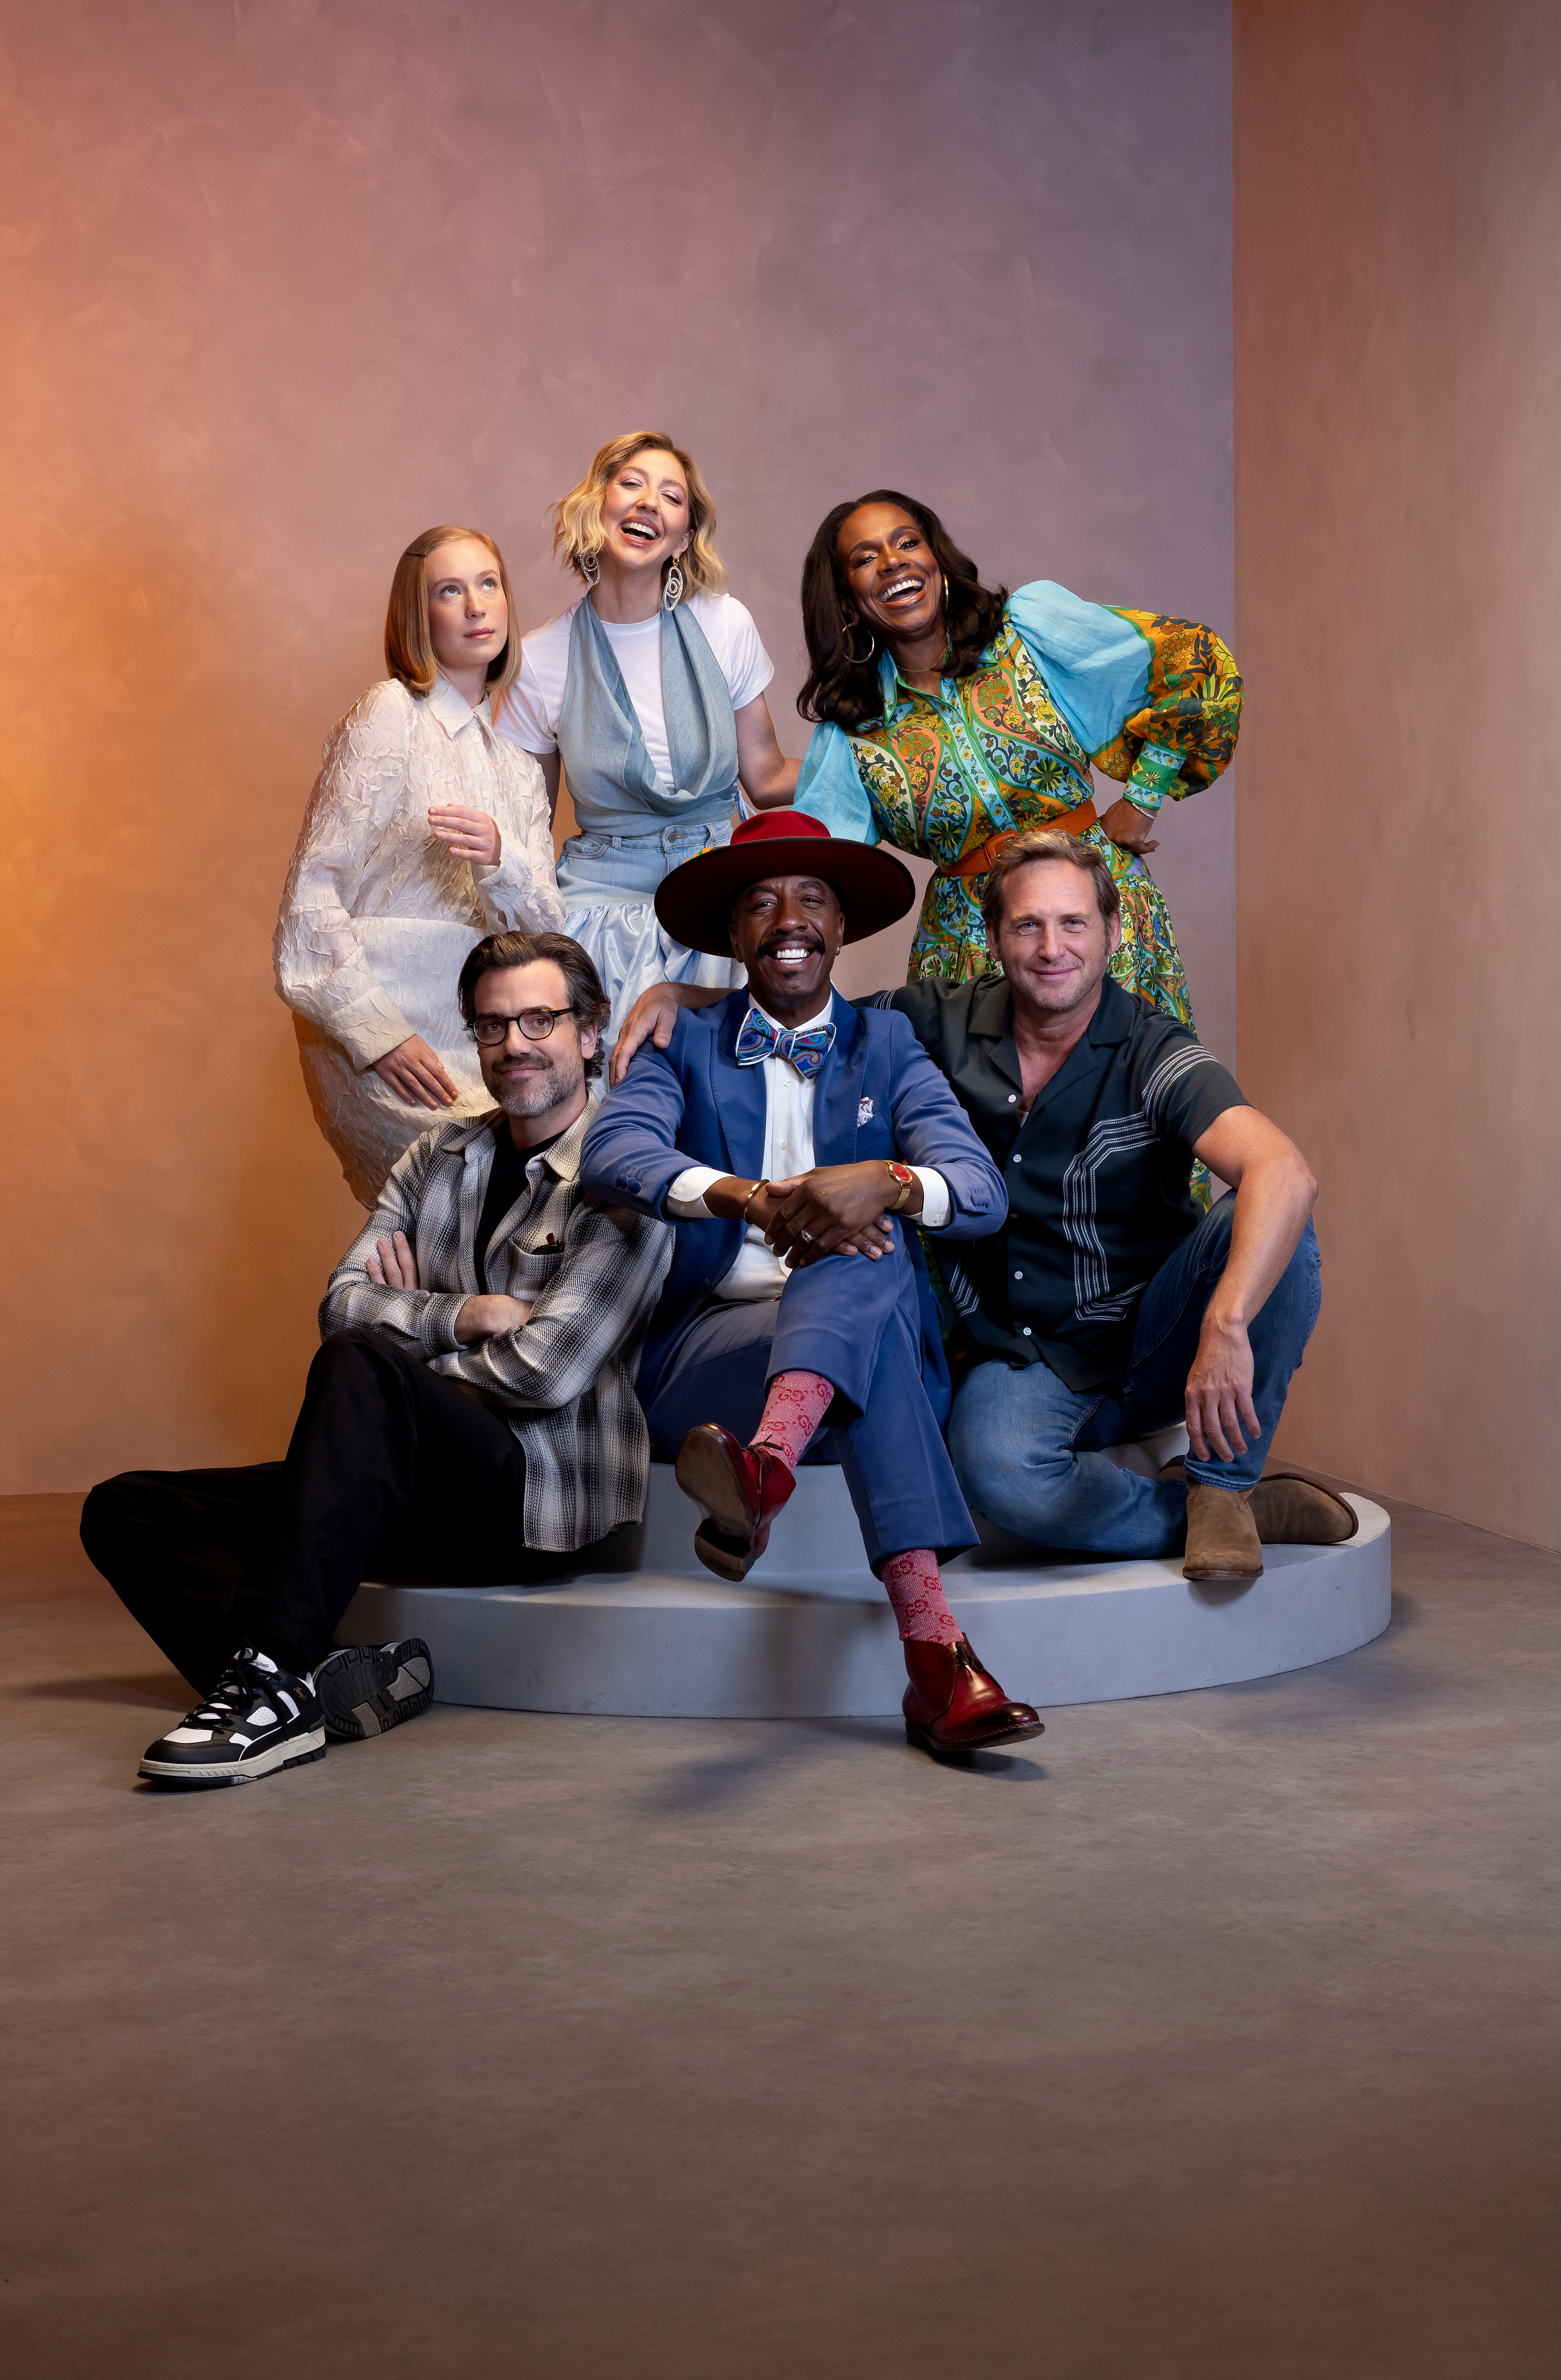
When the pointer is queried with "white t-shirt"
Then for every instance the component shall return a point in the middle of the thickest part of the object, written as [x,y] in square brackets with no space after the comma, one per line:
[528,715]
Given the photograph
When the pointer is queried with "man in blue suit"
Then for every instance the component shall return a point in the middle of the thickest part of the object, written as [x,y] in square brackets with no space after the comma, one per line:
[793,1138]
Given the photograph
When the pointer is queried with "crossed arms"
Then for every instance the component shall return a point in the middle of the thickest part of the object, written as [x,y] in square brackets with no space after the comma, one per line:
[540,1352]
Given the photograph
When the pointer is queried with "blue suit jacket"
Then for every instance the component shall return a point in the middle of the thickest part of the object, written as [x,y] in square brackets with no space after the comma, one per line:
[878,1094]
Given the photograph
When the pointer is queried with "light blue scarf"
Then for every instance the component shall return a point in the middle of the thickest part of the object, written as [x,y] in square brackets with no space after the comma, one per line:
[612,781]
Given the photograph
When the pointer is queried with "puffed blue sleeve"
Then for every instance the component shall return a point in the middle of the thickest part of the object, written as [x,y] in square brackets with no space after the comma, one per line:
[1095,663]
[831,788]
[1155,701]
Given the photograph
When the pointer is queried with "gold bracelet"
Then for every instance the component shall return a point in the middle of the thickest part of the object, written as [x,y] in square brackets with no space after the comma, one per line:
[749,1199]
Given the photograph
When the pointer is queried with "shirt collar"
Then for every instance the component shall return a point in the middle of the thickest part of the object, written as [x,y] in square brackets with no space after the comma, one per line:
[807,1026]
[991,1006]
[991,1016]
[1114,1019]
[451,709]
[564,1157]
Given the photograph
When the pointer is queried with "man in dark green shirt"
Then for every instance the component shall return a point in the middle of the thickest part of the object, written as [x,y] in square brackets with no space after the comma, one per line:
[1108,1307]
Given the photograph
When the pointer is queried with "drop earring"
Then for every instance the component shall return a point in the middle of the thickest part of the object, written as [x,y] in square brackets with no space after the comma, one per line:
[589,567]
[672,591]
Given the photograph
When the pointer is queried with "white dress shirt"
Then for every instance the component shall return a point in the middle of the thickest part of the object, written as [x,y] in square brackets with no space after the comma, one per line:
[758,1272]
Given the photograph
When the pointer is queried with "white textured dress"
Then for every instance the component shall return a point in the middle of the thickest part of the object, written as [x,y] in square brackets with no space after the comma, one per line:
[378,916]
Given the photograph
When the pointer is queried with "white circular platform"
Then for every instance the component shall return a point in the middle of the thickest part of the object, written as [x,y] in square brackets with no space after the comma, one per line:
[810,1633]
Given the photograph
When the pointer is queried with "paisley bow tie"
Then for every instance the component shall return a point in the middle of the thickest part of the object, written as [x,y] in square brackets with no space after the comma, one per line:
[760,1040]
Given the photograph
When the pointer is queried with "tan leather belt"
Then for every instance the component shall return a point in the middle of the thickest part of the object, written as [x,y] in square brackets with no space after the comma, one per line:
[977,862]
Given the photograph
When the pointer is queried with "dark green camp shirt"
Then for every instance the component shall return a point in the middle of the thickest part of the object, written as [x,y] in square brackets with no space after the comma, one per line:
[1096,1172]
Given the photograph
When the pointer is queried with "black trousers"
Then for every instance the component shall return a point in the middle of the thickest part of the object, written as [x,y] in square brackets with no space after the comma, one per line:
[393,1471]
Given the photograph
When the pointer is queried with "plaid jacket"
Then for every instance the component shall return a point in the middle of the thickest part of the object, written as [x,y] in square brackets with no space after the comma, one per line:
[565,1380]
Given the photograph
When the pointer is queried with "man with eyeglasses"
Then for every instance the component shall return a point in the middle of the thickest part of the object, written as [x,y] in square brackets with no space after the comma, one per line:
[470,1416]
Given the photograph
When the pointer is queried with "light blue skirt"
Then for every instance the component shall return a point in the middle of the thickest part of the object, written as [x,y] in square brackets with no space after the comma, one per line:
[609,883]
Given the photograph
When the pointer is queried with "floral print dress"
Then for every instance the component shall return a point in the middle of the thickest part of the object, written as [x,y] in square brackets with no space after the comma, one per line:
[1153,701]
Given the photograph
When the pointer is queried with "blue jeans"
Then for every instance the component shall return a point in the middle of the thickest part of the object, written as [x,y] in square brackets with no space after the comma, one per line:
[598,867]
[1025,1446]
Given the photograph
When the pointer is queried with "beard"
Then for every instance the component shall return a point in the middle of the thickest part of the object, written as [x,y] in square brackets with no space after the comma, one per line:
[533,1093]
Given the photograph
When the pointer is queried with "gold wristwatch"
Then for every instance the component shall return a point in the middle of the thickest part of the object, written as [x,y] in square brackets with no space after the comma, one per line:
[907,1181]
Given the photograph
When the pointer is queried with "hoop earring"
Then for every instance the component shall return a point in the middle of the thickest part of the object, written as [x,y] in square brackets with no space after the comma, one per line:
[857,660]
[589,567]
[672,591]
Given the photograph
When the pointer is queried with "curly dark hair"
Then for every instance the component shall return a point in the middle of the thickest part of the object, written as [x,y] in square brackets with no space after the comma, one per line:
[847,690]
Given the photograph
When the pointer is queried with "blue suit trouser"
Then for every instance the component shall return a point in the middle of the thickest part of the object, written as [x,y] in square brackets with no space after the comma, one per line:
[857,1324]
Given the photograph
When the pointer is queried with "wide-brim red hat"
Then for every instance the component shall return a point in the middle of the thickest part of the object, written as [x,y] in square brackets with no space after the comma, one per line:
[694,902]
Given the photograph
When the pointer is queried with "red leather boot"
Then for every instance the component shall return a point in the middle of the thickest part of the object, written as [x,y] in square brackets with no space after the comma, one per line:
[739,1489]
[953,1704]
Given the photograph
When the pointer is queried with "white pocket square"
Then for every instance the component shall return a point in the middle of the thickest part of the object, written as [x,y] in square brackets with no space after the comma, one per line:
[865,1112]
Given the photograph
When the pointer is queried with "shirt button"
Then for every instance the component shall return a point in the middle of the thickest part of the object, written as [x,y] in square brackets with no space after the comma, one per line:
[1019,1160]
[1026,1332]
[1012,1097]
[1019,1276]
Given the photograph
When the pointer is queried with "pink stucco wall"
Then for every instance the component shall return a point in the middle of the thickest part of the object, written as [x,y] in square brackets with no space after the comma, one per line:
[1399,510]
[284,283]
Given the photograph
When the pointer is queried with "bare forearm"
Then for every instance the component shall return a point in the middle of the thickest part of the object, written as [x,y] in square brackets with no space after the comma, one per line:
[1273,1202]
[771,788]
[766,775]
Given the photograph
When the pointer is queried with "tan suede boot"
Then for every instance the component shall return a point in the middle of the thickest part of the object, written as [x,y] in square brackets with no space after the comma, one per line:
[1291,1511]
[1222,1539]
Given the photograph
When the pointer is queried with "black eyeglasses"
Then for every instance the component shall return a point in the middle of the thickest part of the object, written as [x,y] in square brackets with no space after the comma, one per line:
[535,1023]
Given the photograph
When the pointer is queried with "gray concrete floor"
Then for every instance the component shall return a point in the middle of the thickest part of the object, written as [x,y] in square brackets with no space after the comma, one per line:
[1217,2038]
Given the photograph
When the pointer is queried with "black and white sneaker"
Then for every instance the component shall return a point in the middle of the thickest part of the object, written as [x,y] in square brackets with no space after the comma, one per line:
[364,1689]
[256,1719]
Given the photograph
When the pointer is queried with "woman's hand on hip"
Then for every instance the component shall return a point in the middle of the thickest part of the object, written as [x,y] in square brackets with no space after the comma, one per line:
[412,1072]
[1129,828]
[471,834]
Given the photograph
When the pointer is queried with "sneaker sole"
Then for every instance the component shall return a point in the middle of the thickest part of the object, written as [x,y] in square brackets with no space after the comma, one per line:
[295,1753]
[357,1706]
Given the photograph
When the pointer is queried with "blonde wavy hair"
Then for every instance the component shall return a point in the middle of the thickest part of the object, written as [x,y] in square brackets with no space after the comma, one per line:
[579,535]
[410,653]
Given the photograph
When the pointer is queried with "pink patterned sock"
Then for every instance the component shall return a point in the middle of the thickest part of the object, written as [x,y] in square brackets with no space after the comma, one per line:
[920,1608]
[796,1405]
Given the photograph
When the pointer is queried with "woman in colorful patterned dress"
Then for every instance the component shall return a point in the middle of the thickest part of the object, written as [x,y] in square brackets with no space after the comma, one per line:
[952,715]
